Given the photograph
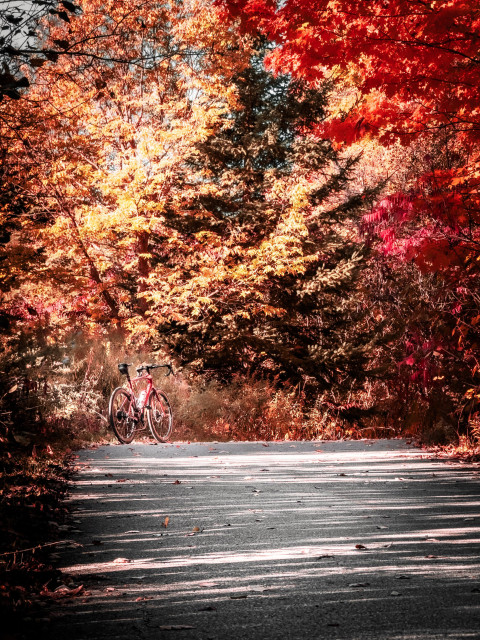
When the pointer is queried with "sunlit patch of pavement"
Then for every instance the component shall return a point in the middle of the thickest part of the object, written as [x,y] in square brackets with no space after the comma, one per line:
[349,540]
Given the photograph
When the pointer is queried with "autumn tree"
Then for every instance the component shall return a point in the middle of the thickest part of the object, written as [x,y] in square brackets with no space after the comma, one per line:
[98,152]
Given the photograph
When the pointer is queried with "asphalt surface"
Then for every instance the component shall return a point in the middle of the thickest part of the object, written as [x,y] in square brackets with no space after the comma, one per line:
[351,540]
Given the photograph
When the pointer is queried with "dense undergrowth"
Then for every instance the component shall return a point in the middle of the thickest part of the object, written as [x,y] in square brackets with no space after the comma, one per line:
[55,399]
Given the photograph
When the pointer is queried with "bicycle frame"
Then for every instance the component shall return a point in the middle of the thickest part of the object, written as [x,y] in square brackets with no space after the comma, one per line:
[148,378]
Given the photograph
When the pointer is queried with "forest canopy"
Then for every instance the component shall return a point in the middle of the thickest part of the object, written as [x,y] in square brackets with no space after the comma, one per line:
[250,188]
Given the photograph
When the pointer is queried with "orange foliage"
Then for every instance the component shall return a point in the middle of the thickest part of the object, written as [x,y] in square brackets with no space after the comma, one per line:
[95,155]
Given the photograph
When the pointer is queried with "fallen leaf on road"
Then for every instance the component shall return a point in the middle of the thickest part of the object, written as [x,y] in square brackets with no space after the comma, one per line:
[121,480]
[165,522]
[264,444]
[61,592]
[177,482]
[360,546]
[142,598]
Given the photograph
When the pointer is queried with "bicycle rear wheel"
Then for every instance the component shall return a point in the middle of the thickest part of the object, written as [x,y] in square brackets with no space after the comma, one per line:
[160,416]
[121,415]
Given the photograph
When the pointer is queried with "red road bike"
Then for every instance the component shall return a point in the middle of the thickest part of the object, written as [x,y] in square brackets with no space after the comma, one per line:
[130,408]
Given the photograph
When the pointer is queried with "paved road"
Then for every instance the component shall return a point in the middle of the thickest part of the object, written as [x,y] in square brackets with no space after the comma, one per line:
[350,540]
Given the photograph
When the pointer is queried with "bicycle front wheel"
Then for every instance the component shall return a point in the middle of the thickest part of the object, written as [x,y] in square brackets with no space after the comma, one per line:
[160,416]
[121,415]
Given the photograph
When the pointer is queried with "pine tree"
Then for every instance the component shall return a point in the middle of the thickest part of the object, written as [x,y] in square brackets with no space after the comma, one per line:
[274,281]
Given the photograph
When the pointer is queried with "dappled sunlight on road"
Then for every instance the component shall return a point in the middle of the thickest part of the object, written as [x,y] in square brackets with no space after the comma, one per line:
[179,534]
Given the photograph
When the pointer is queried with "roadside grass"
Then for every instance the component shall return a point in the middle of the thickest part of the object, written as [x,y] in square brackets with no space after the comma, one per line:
[466,449]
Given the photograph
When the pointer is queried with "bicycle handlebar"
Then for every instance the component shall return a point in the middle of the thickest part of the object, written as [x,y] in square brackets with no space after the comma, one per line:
[147,367]
[123,368]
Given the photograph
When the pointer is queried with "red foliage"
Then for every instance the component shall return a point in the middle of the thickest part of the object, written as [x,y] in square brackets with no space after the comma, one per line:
[422,56]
